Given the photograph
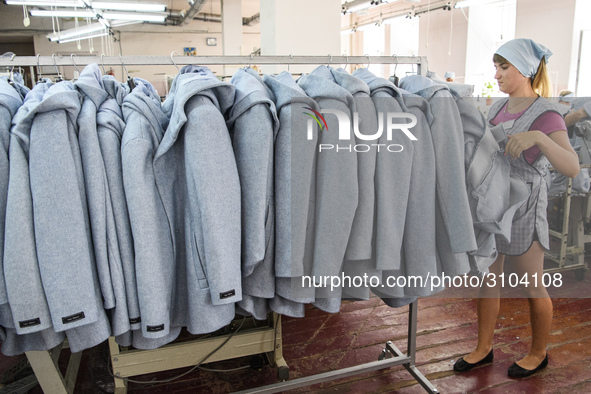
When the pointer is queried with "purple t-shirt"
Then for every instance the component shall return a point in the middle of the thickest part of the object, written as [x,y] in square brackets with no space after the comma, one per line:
[546,123]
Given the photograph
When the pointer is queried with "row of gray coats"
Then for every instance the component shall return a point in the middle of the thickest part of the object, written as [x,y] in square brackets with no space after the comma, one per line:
[132,218]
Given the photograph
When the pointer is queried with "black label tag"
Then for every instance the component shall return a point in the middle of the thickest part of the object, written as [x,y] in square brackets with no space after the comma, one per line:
[155,328]
[73,318]
[135,320]
[29,323]
[227,294]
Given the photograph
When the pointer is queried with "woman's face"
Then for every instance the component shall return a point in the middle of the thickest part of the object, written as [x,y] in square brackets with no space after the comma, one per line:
[509,78]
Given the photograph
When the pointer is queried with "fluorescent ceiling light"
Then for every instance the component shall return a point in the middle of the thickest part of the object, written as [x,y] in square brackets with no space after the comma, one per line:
[46,3]
[130,16]
[469,3]
[64,14]
[83,38]
[103,5]
[76,32]
[360,7]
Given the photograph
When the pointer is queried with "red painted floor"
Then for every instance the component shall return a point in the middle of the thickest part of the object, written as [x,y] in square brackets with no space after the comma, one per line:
[323,342]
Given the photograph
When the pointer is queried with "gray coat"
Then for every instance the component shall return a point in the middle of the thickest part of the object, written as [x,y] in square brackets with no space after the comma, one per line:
[110,128]
[62,229]
[196,174]
[446,130]
[253,125]
[100,207]
[295,167]
[154,257]
[21,269]
[337,189]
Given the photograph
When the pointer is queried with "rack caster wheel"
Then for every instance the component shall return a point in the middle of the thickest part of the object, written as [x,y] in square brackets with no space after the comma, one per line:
[580,274]
[384,355]
[283,373]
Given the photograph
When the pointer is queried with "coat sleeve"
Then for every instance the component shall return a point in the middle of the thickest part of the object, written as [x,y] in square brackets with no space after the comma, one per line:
[215,210]
[21,269]
[61,233]
[154,257]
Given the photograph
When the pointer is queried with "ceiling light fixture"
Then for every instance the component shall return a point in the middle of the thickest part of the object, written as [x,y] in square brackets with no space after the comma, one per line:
[46,3]
[153,7]
[101,5]
[469,3]
[130,16]
[106,33]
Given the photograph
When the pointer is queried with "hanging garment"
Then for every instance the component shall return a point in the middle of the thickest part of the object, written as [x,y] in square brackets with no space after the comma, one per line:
[21,269]
[100,207]
[337,189]
[295,169]
[156,274]
[62,229]
[253,125]
[110,127]
[530,219]
[196,174]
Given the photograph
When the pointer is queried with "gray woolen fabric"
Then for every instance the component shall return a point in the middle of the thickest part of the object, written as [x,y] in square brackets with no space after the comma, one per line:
[104,232]
[252,125]
[154,256]
[295,167]
[110,128]
[446,129]
[360,240]
[10,101]
[392,176]
[294,174]
[21,269]
[337,189]
[62,236]
[14,344]
[196,173]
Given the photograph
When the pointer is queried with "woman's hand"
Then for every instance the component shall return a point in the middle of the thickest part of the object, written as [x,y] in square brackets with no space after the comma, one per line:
[521,141]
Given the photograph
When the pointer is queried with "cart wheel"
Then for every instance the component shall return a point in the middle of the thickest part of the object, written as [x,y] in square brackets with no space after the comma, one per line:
[384,355]
[580,273]
[283,373]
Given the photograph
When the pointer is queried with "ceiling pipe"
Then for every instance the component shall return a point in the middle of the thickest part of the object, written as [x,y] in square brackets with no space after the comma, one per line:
[188,15]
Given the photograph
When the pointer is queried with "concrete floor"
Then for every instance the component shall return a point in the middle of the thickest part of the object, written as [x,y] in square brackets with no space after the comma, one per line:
[322,342]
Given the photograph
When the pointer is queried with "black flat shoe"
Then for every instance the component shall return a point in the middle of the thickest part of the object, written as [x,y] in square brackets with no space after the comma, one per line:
[463,366]
[515,371]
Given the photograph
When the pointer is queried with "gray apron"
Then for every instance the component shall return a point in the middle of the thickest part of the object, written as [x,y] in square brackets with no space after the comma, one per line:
[530,222]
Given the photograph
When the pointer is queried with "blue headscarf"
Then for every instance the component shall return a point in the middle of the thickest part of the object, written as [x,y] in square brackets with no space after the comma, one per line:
[524,54]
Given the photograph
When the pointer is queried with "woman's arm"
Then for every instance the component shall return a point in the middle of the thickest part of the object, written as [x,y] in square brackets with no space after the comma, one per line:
[555,146]
[575,117]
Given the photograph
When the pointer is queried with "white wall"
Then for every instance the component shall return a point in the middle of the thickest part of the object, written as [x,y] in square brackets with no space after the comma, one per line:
[550,23]
[300,27]
[582,23]
[435,42]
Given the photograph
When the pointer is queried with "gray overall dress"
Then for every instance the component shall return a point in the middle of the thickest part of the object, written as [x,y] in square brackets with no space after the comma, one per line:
[530,222]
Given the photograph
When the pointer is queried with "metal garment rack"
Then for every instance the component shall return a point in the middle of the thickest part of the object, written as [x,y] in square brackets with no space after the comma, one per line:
[266,340]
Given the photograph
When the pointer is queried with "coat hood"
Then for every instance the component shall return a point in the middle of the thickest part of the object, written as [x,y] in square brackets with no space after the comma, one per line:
[10,98]
[376,83]
[423,86]
[90,84]
[23,119]
[284,88]
[250,91]
[192,81]
[145,101]
[350,82]
[110,114]
[320,83]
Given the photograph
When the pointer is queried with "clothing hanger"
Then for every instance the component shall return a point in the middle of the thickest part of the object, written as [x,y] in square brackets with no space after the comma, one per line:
[329,60]
[130,81]
[290,57]
[346,60]
[395,77]
[103,64]
[40,77]
[74,63]
[11,75]
[59,76]
[173,62]
[368,62]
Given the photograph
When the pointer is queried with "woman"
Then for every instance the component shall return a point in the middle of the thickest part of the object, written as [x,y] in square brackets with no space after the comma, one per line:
[536,134]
